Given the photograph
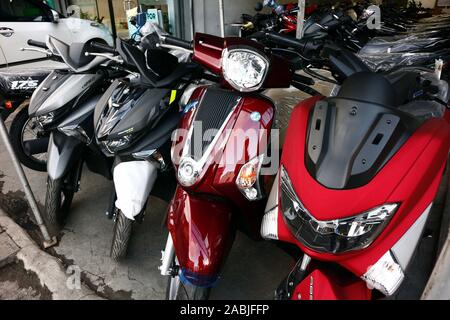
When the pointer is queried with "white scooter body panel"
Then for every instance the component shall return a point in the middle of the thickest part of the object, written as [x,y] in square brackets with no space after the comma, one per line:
[133,181]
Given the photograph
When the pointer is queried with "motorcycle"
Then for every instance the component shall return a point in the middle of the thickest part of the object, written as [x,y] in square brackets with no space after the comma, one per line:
[134,120]
[63,106]
[222,154]
[358,175]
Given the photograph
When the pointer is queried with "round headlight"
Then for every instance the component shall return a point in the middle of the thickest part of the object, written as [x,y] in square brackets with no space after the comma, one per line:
[244,69]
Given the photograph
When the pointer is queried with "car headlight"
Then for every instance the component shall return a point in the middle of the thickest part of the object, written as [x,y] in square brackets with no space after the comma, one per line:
[46,119]
[334,236]
[244,69]
[117,144]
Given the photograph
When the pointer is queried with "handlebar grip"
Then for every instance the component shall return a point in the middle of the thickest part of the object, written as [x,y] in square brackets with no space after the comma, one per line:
[103,47]
[38,44]
[286,40]
[178,42]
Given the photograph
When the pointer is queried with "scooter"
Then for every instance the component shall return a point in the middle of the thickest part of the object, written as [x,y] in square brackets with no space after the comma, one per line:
[63,106]
[358,177]
[134,120]
[222,154]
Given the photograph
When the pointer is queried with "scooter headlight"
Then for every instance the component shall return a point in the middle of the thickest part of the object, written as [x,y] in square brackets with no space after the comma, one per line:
[77,132]
[188,172]
[333,236]
[46,119]
[117,144]
[244,69]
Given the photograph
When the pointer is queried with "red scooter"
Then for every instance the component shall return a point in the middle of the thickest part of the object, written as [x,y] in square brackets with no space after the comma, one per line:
[219,152]
[359,174]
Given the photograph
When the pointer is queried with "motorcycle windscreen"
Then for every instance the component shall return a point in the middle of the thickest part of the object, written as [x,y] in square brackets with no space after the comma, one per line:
[352,136]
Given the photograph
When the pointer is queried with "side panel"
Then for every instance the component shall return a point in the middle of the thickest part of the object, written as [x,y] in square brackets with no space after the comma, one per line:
[202,234]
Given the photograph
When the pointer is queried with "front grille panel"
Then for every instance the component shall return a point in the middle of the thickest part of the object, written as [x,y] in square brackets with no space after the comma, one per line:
[212,112]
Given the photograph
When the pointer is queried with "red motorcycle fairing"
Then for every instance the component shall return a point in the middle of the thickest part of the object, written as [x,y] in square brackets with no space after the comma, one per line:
[330,284]
[201,233]
[199,217]
[411,178]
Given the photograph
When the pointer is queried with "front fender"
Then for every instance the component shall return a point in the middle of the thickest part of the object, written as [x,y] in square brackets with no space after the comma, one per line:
[63,153]
[202,234]
[133,181]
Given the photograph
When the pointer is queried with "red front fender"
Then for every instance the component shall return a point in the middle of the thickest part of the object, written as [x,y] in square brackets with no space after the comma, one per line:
[202,234]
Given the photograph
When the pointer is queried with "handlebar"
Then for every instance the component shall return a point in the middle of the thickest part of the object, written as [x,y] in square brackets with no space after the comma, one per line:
[178,42]
[38,44]
[103,48]
[286,41]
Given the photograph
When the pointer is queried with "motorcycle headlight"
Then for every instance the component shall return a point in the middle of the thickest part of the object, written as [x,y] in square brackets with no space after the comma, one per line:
[46,119]
[333,236]
[244,69]
[77,132]
[117,144]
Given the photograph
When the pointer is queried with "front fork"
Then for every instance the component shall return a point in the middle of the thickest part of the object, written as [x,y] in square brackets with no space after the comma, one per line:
[168,256]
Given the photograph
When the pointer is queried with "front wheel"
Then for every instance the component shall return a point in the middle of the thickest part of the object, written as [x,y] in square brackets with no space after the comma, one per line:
[23,130]
[121,236]
[58,200]
[177,290]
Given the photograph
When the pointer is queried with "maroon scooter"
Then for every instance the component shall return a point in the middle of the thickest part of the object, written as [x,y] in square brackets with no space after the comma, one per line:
[221,153]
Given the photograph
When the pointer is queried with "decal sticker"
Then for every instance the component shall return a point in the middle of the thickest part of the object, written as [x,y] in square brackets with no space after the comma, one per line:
[24,84]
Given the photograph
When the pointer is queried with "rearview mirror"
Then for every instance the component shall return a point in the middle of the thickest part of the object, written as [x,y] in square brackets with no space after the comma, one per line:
[54,16]
[259,6]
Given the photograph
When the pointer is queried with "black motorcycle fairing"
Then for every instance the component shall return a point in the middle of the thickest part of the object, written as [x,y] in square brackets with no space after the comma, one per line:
[351,136]
[349,141]
[158,135]
[128,109]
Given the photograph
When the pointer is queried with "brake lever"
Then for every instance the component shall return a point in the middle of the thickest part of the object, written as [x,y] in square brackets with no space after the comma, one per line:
[104,55]
[46,52]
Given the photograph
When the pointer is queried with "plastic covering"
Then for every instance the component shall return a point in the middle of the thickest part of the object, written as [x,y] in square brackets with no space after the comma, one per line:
[15,82]
[386,62]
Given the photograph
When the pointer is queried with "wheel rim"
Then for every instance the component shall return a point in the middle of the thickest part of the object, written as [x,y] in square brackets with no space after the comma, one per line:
[30,131]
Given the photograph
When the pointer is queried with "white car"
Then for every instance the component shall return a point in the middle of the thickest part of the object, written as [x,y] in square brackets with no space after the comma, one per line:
[21,20]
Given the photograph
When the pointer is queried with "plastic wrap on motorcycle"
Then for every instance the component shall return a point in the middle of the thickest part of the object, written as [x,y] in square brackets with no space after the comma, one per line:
[133,182]
[21,82]
[202,234]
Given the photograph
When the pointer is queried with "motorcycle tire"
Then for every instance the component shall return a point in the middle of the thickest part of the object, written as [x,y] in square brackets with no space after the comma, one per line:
[121,236]
[177,290]
[17,131]
[58,201]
